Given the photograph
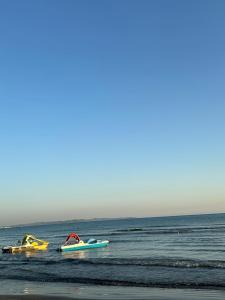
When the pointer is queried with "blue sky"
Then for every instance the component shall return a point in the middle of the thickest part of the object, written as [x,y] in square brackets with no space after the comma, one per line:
[111,108]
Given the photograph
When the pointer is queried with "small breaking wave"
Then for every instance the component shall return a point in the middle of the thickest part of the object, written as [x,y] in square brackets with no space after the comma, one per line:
[144,262]
[130,229]
[173,229]
[44,277]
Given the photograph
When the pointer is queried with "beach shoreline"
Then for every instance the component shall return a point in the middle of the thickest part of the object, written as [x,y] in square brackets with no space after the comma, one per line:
[31,297]
[173,259]
[125,293]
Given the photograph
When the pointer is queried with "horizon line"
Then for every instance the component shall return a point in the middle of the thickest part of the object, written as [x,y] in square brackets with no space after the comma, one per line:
[104,219]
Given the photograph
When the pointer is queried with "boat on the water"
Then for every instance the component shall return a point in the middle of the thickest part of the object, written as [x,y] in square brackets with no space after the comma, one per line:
[77,244]
[29,243]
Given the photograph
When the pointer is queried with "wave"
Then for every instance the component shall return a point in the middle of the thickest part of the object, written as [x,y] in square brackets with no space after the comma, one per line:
[169,263]
[141,231]
[45,277]
[150,232]
[5,227]
[157,231]
[143,262]
[130,229]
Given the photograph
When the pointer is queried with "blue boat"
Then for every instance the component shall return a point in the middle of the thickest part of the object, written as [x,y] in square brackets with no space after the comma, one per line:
[78,244]
[83,246]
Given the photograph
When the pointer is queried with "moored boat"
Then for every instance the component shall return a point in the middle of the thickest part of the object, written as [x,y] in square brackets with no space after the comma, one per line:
[77,244]
[29,243]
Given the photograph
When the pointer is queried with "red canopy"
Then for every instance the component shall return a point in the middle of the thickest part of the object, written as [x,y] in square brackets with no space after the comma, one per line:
[73,235]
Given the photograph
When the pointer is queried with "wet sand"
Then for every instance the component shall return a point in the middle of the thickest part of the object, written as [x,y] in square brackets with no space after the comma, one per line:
[31,297]
[25,290]
[148,294]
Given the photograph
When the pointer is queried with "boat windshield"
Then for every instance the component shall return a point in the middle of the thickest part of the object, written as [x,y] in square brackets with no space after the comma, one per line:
[29,239]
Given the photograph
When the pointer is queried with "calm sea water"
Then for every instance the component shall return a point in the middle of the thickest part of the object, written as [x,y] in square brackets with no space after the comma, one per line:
[168,252]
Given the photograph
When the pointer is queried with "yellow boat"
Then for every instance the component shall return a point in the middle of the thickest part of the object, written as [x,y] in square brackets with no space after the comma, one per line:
[29,243]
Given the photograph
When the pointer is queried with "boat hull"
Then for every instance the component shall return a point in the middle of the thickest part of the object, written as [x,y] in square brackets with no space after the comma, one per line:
[84,246]
[18,249]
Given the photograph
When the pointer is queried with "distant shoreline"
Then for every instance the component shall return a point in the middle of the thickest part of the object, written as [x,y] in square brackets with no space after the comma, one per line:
[103,219]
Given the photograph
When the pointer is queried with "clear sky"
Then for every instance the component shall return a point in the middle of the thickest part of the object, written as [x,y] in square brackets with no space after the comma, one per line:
[111,108]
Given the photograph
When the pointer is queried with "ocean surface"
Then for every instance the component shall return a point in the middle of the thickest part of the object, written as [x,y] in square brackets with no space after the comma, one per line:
[185,252]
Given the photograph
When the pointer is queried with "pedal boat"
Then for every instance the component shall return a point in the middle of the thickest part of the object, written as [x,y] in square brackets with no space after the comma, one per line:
[79,245]
[29,243]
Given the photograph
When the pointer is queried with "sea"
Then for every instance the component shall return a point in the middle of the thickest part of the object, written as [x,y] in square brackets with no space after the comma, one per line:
[180,257]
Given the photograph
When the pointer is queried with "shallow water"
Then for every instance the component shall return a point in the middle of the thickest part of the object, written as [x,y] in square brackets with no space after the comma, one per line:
[171,252]
[94,292]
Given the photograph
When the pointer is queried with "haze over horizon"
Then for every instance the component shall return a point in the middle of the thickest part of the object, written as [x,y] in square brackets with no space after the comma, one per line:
[111,109]
[104,219]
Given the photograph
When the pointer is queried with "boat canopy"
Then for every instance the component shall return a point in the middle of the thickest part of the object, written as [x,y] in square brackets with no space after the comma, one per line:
[73,235]
[29,239]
